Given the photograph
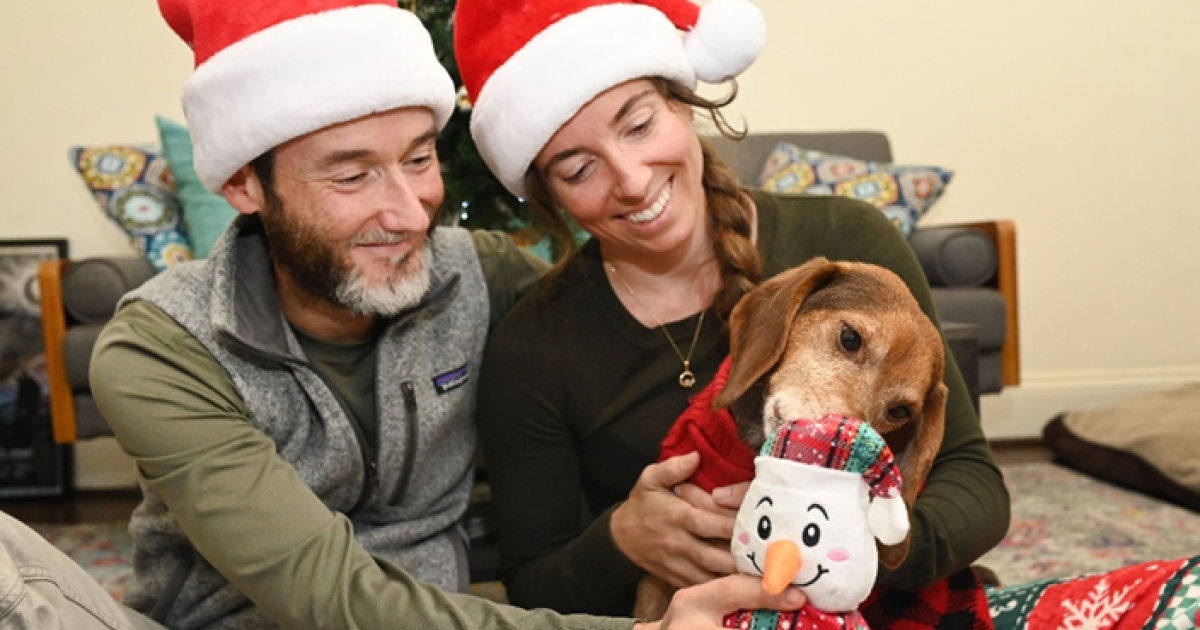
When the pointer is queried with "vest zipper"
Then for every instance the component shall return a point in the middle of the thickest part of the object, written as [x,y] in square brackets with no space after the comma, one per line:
[410,446]
[370,486]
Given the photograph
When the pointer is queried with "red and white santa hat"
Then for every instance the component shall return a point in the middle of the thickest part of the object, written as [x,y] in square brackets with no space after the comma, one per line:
[530,65]
[270,71]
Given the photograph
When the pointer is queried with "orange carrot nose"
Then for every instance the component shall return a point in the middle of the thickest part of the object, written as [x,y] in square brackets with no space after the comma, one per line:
[780,567]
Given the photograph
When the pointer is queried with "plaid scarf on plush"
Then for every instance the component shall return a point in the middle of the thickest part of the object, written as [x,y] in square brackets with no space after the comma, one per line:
[955,603]
[807,618]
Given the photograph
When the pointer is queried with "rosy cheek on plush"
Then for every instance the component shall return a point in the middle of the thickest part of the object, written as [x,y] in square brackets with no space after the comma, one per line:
[744,538]
[838,555]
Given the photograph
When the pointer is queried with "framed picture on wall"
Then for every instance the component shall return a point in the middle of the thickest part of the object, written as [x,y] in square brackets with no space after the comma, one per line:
[31,464]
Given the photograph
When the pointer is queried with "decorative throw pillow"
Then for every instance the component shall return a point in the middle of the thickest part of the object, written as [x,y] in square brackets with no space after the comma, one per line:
[206,215]
[136,189]
[903,193]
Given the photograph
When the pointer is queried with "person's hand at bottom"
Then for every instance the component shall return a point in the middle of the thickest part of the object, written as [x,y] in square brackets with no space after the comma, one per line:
[704,606]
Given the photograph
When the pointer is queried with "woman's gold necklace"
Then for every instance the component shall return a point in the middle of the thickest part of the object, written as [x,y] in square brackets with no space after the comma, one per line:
[686,378]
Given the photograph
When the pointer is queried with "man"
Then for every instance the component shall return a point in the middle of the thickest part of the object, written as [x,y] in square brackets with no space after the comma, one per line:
[299,403]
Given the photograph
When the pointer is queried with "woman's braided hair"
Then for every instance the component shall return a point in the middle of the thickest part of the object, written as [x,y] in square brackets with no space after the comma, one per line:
[730,209]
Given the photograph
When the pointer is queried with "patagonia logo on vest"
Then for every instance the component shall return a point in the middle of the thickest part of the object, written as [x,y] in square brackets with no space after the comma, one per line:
[450,380]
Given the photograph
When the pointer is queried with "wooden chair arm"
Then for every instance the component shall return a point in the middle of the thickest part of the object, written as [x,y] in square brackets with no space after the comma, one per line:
[54,330]
[1003,234]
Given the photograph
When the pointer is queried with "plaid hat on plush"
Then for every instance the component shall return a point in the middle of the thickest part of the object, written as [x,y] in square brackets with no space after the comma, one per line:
[268,72]
[530,65]
[840,444]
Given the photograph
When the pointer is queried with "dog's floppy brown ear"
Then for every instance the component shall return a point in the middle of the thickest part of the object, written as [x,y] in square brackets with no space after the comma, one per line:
[761,317]
[916,460]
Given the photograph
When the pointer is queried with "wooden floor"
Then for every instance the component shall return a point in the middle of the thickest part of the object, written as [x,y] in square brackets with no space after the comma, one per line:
[1021,452]
[107,506]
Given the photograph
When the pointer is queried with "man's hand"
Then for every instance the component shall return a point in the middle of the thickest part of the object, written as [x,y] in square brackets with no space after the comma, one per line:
[705,606]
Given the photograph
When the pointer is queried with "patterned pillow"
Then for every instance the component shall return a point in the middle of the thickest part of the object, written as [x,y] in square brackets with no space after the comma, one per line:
[135,188]
[903,193]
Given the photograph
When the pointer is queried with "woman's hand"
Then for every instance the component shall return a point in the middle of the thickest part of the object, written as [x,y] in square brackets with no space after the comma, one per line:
[679,534]
[704,606]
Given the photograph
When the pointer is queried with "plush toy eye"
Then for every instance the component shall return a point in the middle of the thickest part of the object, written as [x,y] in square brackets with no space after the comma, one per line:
[850,339]
[900,413]
[811,535]
[764,527]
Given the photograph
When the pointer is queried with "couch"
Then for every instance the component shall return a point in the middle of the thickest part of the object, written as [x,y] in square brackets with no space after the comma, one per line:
[971,267]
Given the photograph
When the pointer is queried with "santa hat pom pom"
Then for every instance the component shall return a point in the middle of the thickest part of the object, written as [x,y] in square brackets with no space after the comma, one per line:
[725,40]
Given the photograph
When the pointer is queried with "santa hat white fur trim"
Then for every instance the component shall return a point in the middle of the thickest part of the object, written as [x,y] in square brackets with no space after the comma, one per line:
[887,517]
[546,82]
[784,472]
[306,74]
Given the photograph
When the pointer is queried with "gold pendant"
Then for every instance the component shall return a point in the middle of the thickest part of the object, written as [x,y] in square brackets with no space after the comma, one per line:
[687,379]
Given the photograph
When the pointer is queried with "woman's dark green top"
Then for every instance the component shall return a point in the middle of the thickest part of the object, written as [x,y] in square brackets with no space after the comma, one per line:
[576,396]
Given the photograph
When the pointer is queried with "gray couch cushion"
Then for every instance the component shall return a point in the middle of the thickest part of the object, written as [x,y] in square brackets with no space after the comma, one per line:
[77,354]
[984,307]
[954,256]
[748,155]
[88,421]
[91,287]
[991,372]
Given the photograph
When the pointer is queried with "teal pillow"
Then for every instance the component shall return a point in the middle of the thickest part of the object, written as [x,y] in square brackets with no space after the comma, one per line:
[902,193]
[205,214]
[136,189]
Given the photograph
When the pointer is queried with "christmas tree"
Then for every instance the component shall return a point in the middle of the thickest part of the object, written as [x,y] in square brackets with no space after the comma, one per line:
[474,197]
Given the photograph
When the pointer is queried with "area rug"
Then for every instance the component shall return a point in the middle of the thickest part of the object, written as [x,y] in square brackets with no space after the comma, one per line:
[1067,524]
[102,549]
[1063,524]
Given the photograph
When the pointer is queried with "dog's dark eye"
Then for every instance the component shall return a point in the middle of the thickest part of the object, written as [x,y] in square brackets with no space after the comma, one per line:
[764,527]
[850,339]
[901,413]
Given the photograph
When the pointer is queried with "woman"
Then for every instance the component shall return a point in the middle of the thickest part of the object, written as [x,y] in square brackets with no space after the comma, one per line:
[581,383]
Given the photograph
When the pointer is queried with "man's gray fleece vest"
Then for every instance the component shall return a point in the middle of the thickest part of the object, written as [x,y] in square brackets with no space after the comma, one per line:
[426,377]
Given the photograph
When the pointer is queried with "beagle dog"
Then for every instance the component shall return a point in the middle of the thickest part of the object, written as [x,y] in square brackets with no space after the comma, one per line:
[834,337]
[846,338]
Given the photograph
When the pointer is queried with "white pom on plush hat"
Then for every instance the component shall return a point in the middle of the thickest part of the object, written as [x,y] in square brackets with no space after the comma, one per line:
[726,39]
[888,518]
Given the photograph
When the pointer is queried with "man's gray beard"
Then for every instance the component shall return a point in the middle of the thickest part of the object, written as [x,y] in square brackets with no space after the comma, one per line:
[399,294]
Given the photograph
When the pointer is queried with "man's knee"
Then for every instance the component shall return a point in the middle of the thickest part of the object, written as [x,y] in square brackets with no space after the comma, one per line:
[40,588]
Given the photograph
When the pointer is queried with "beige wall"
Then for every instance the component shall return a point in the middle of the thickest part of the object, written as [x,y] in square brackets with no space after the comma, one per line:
[1077,119]
[79,73]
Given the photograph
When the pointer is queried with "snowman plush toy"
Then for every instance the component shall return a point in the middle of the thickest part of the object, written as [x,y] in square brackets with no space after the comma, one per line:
[823,492]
